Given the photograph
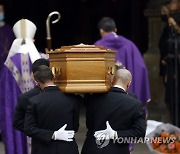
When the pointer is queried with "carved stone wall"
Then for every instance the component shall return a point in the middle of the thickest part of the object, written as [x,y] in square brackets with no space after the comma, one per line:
[155,25]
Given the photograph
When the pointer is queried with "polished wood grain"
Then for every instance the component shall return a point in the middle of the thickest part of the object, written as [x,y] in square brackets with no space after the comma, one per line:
[82,69]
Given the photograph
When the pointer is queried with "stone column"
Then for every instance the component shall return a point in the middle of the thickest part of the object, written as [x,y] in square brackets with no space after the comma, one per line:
[152,56]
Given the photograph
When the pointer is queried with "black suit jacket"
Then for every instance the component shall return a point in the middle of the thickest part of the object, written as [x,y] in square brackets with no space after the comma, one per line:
[46,113]
[21,107]
[124,114]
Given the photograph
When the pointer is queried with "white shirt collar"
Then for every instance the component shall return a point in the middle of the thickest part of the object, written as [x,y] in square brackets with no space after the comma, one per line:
[118,86]
[51,85]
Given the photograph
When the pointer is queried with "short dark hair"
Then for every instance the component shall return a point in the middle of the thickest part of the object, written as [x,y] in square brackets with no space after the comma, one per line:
[38,63]
[176,17]
[1,2]
[107,24]
[43,74]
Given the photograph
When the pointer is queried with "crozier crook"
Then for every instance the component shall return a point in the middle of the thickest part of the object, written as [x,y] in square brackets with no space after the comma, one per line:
[48,38]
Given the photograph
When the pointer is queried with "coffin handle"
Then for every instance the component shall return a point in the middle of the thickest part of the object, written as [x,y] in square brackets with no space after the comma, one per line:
[56,71]
[111,70]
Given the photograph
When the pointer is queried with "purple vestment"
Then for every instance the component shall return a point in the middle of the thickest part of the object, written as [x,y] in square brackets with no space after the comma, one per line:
[15,79]
[130,57]
[6,39]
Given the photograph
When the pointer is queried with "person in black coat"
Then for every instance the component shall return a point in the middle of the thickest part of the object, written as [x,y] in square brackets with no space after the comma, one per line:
[52,117]
[169,46]
[21,107]
[113,115]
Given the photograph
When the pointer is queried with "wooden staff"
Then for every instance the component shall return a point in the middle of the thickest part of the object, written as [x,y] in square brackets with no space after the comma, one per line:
[48,38]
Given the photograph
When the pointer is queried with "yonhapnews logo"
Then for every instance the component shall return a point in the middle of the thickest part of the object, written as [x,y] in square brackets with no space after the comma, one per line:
[102,140]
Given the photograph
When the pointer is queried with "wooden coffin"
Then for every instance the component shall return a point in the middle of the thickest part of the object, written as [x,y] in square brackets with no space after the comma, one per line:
[82,68]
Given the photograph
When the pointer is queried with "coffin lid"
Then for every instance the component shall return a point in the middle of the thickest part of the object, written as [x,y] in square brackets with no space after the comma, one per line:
[81,48]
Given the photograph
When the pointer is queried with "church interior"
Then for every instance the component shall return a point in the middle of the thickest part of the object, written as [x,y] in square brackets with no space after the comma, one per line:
[138,21]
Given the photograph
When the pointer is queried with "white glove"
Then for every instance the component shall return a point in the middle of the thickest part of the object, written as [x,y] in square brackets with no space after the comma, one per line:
[109,133]
[62,134]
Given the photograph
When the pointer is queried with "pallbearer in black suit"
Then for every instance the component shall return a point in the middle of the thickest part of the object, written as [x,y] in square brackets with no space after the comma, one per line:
[112,116]
[20,110]
[52,117]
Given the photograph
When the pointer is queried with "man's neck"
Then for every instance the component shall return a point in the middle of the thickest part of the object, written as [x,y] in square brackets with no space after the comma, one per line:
[119,86]
[47,84]
[105,34]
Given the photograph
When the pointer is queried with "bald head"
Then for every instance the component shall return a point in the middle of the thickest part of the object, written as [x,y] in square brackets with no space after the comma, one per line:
[123,78]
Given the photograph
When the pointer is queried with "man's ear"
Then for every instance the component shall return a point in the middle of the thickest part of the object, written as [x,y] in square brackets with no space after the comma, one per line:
[102,32]
[37,83]
[129,84]
[115,30]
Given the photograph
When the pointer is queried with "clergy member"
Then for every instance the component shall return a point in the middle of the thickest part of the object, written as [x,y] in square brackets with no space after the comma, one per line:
[127,56]
[16,78]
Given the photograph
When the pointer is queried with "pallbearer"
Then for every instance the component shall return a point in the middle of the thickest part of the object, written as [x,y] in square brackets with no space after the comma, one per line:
[112,116]
[52,117]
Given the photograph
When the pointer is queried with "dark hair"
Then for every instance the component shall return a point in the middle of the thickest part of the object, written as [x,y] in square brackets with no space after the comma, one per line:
[173,0]
[38,63]
[107,24]
[43,74]
[1,2]
[166,2]
[176,16]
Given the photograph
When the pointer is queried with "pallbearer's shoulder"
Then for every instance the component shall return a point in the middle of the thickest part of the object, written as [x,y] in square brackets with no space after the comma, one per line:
[134,101]
[35,91]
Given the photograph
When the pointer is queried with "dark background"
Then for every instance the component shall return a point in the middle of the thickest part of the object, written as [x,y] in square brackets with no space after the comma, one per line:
[79,19]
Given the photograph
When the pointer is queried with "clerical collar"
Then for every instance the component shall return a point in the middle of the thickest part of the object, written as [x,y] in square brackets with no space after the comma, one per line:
[118,86]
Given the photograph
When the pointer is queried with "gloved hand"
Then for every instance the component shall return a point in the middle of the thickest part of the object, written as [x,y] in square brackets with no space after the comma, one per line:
[109,133]
[64,135]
